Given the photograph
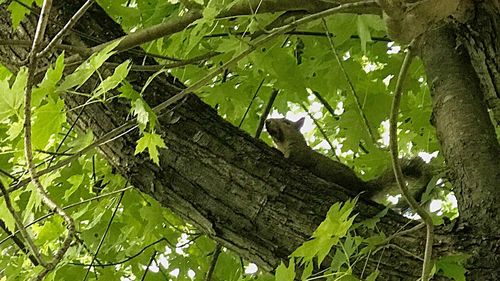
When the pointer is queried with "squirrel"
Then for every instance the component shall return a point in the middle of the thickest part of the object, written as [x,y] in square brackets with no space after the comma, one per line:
[290,141]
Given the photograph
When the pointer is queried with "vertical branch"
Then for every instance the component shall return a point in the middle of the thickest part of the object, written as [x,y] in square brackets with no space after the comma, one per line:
[32,66]
[398,173]
[349,82]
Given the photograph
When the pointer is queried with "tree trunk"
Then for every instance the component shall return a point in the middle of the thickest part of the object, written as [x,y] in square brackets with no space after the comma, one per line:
[235,188]
[465,130]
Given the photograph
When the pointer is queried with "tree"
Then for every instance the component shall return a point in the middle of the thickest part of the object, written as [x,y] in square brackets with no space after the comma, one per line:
[225,184]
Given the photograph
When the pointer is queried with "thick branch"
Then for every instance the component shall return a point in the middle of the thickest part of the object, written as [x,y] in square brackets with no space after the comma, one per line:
[178,23]
[468,142]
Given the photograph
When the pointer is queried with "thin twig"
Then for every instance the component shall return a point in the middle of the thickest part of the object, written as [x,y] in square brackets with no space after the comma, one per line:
[53,153]
[19,243]
[75,49]
[33,61]
[326,104]
[394,246]
[67,207]
[81,242]
[128,258]
[266,112]
[295,32]
[213,263]
[251,102]
[7,174]
[351,86]
[195,237]
[63,32]
[94,257]
[84,51]
[153,256]
[427,265]
[158,67]
[323,133]
[405,232]
[19,223]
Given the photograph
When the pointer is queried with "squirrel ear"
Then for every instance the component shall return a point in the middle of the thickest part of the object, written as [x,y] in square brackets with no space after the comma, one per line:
[299,123]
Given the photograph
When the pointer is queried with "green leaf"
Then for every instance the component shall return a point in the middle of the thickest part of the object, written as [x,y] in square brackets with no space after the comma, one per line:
[284,273]
[7,218]
[347,277]
[75,181]
[11,99]
[18,12]
[4,73]
[338,260]
[139,108]
[34,202]
[373,242]
[48,120]
[307,271]
[452,266]
[81,141]
[49,82]
[373,276]
[87,68]
[152,142]
[328,233]
[363,32]
[51,230]
[114,80]
[342,26]
[15,129]
[372,222]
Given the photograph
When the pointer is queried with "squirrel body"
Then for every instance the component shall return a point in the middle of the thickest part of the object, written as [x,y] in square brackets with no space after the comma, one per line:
[290,141]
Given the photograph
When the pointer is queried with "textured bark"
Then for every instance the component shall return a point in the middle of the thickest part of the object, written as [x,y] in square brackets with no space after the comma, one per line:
[235,188]
[464,128]
[468,141]
[481,39]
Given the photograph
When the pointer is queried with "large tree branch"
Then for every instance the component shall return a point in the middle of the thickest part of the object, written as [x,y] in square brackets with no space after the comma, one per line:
[468,140]
[176,24]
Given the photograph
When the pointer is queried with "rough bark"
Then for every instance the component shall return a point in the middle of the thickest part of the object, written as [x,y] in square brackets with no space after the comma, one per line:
[235,188]
[464,128]
[480,37]
[468,141]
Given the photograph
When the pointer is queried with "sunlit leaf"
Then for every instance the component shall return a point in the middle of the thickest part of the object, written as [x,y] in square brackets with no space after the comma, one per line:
[152,142]
[87,68]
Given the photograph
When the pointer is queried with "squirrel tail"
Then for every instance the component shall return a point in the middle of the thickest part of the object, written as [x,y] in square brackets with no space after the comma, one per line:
[417,174]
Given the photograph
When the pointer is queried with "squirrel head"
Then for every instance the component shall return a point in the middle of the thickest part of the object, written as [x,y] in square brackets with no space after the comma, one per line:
[286,134]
